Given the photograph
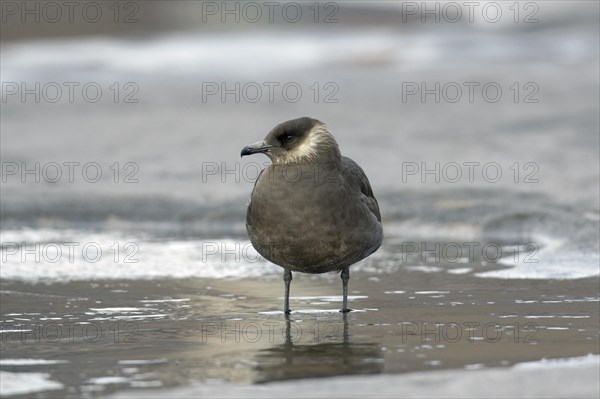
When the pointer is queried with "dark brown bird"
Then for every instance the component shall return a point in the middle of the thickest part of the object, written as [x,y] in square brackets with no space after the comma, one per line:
[312,210]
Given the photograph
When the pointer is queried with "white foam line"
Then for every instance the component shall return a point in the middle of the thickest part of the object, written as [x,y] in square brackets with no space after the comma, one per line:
[182,256]
[186,53]
[120,310]
[425,269]
[554,261]
[589,359]
[431,292]
[142,316]
[29,362]
[146,384]
[25,383]
[475,366]
[165,300]
[462,270]
[108,380]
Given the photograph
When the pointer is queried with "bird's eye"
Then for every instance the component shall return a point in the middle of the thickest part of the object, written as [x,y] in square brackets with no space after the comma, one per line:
[287,138]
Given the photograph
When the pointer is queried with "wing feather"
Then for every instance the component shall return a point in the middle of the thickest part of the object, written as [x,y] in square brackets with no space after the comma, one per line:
[358,180]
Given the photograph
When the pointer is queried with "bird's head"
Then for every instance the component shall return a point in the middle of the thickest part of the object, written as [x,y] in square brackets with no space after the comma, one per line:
[302,140]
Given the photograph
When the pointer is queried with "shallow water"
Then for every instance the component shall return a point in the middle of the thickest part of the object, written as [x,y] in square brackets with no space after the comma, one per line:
[103,336]
[144,277]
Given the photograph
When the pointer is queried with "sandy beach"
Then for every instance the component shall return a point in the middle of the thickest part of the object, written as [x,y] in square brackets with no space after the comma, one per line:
[126,270]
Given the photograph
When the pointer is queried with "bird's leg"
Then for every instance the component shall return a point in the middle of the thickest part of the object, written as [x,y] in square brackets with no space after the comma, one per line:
[346,335]
[288,330]
[345,277]
[287,278]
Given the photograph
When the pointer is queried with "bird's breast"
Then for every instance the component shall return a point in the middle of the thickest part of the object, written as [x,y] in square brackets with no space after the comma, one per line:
[306,219]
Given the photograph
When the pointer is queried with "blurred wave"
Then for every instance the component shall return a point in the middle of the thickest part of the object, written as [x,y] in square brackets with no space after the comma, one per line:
[172,133]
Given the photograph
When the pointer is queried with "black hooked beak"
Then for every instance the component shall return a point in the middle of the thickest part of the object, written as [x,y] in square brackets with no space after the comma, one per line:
[259,147]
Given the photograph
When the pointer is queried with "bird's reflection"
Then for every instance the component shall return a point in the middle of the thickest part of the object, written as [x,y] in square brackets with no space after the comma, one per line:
[294,360]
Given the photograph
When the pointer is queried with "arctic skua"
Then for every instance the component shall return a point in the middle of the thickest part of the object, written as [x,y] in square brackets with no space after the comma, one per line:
[312,210]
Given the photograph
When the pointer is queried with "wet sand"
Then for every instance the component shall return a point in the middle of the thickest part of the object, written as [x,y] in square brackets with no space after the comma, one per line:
[149,334]
[521,381]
